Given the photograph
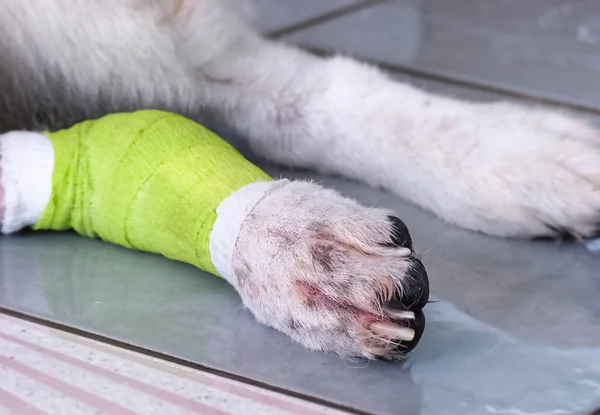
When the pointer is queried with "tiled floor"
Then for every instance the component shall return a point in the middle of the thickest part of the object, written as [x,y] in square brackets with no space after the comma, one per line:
[517,328]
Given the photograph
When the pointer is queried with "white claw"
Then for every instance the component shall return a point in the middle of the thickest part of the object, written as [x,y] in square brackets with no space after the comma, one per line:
[404,252]
[396,252]
[399,314]
[391,331]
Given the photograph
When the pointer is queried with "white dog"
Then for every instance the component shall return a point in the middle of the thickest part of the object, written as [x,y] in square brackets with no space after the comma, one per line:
[495,168]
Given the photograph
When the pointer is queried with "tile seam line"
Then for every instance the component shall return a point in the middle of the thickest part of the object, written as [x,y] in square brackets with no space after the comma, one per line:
[177,360]
[323,18]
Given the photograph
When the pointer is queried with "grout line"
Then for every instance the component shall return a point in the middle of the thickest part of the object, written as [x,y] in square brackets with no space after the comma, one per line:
[431,76]
[314,21]
[177,360]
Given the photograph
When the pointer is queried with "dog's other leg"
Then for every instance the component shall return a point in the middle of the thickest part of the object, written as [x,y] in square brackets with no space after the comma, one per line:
[499,168]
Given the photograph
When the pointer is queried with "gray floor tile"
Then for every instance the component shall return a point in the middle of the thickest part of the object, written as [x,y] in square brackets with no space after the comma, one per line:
[549,49]
[269,15]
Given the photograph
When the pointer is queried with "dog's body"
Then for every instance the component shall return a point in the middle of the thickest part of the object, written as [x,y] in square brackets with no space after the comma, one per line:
[496,168]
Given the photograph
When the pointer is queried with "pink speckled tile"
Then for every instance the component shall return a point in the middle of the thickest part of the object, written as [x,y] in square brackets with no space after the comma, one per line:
[47,371]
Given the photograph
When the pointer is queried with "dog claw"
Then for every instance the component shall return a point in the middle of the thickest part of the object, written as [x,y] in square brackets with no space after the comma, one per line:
[399,314]
[392,331]
[404,252]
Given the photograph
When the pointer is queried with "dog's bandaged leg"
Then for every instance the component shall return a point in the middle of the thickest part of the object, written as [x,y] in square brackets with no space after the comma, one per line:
[152,181]
[330,273]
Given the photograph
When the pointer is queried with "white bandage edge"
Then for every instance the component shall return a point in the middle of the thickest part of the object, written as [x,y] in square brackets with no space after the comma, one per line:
[231,215]
[27,162]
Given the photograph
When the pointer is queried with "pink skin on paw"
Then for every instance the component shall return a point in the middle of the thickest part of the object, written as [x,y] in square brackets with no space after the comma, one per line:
[313,297]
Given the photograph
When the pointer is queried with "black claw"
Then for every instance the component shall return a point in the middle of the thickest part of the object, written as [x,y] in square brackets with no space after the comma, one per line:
[416,291]
[400,235]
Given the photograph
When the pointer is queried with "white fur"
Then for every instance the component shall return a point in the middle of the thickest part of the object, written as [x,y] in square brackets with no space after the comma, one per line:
[26,163]
[231,214]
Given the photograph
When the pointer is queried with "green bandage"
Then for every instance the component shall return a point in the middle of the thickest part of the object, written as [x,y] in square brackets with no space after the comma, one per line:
[147,180]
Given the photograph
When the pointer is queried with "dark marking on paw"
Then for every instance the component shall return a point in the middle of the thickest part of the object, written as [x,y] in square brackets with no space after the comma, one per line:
[242,273]
[312,296]
[283,235]
[323,255]
[293,324]
[242,276]
[323,235]
[308,293]
[321,232]
[400,234]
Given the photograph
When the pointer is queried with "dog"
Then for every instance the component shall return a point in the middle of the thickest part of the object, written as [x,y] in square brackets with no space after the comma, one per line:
[498,168]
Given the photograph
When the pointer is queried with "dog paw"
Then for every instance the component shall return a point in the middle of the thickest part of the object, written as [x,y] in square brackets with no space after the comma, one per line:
[331,274]
[523,173]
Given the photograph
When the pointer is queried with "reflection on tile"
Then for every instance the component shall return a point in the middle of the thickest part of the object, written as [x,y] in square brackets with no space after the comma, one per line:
[269,15]
[486,371]
[549,49]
